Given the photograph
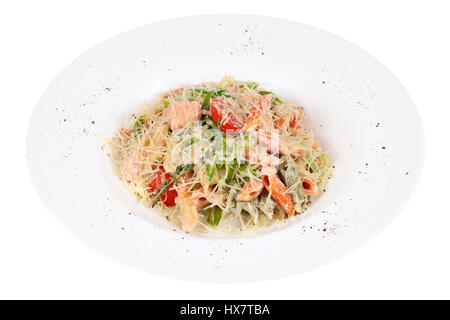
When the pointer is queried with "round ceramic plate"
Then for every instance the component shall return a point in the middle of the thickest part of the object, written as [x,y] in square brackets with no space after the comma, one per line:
[359,111]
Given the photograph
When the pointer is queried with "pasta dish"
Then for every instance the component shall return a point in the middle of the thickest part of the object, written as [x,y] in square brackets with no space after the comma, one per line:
[225,156]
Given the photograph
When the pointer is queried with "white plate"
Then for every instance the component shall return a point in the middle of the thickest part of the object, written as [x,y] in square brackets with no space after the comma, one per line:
[360,113]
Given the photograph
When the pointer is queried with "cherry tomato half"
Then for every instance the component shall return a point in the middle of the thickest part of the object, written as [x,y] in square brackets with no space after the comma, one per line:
[158,178]
[222,109]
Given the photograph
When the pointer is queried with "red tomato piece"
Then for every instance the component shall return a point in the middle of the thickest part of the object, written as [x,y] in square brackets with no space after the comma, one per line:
[168,198]
[223,110]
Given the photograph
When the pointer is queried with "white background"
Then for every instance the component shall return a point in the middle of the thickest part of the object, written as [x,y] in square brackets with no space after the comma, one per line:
[39,259]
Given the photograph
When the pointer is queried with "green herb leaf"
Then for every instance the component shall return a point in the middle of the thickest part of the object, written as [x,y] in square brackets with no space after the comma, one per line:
[222,92]
[274,97]
[277,100]
[210,170]
[230,168]
[324,160]
[214,93]
[201,91]
[138,125]
[214,215]
[206,101]
[246,169]
[165,102]
[194,140]
[252,85]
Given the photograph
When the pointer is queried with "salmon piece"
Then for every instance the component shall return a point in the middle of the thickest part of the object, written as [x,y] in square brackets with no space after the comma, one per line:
[132,166]
[252,121]
[269,140]
[285,125]
[288,146]
[275,143]
[298,153]
[281,124]
[265,102]
[189,215]
[260,117]
[201,197]
[251,190]
[257,155]
[293,122]
[180,113]
[234,89]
